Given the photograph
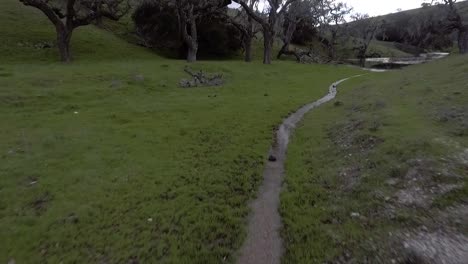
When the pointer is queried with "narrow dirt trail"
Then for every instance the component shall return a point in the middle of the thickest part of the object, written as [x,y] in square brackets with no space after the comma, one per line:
[263,243]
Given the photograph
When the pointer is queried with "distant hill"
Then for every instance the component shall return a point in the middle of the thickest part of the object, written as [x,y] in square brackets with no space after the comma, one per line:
[418,30]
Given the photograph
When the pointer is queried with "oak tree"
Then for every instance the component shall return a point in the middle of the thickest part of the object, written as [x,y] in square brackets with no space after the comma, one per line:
[365,29]
[247,26]
[67,15]
[188,12]
[268,22]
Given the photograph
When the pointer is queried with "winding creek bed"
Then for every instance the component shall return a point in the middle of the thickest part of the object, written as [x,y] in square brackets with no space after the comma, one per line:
[263,243]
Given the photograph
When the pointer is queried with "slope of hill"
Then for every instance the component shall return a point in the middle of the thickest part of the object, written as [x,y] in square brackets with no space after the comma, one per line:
[381,175]
[28,36]
[418,30]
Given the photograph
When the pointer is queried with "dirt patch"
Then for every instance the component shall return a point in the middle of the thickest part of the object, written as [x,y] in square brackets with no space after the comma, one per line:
[454,217]
[463,157]
[350,177]
[352,136]
[366,142]
[40,204]
[435,247]
[423,196]
[342,134]
[423,183]
[458,116]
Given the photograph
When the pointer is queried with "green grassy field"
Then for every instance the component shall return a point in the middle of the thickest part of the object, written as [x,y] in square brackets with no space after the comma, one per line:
[386,161]
[107,160]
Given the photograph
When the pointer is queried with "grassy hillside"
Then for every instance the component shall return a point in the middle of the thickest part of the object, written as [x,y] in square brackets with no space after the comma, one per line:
[382,174]
[28,36]
[461,5]
[417,21]
[107,160]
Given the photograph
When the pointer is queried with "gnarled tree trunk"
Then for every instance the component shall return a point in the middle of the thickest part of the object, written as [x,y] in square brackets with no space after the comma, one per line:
[362,61]
[63,43]
[66,18]
[188,27]
[288,34]
[332,46]
[463,40]
[192,51]
[268,40]
[284,50]
[248,48]
[248,38]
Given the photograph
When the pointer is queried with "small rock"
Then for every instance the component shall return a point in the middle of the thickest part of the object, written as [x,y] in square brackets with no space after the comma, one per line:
[272,158]
[355,214]
[391,182]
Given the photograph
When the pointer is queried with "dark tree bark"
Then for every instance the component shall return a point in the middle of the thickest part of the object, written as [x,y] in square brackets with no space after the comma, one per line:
[188,26]
[299,11]
[456,22]
[287,37]
[188,12]
[192,52]
[63,43]
[332,45]
[362,59]
[365,31]
[248,49]
[463,40]
[75,14]
[268,42]
[333,17]
[247,26]
[248,38]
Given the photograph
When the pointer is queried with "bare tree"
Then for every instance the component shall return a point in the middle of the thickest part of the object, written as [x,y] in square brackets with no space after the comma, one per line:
[67,15]
[333,22]
[454,22]
[188,12]
[248,28]
[297,12]
[276,9]
[365,28]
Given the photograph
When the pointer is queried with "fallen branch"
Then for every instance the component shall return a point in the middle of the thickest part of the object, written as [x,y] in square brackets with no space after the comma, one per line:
[200,79]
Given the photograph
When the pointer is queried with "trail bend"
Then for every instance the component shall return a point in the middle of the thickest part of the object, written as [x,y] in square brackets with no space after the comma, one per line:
[263,244]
